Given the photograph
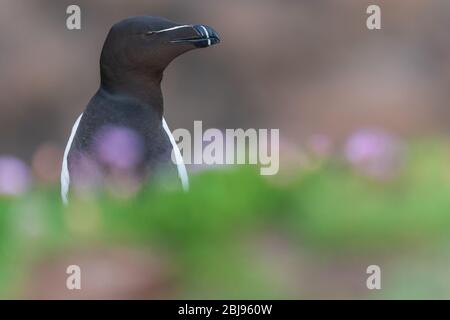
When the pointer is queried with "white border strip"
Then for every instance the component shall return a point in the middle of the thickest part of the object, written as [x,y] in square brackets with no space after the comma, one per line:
[182,172]
[65,176]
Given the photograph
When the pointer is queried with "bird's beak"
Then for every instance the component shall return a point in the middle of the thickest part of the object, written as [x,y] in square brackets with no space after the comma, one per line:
[205,36]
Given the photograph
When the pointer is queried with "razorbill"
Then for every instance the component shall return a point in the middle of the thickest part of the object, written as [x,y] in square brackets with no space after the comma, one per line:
[134,56]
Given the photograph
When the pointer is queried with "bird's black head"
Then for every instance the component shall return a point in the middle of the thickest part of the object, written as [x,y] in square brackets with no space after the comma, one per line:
[143,46]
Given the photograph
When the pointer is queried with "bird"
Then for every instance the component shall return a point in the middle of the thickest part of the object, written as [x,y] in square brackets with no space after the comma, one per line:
[134,56]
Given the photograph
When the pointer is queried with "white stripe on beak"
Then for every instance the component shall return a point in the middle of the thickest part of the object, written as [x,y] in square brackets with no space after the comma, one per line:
[173,28]
[207,35]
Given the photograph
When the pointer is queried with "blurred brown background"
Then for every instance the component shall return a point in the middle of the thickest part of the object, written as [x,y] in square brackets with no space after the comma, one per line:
[305,67]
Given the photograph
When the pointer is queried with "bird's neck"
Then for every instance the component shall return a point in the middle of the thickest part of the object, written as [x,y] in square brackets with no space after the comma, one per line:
[146,89]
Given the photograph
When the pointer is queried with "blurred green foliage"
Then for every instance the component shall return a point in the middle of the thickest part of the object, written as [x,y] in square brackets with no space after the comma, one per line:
[220,234]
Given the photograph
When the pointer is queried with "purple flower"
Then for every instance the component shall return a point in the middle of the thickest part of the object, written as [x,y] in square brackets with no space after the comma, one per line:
[119,147]
[114,162]
[374,153]
[15,177]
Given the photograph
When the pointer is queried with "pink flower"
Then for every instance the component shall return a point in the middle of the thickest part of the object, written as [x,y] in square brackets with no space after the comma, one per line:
[320,145]
[374,152]
[86,175]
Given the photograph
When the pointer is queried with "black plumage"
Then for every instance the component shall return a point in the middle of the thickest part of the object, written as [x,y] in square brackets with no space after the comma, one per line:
[134,56]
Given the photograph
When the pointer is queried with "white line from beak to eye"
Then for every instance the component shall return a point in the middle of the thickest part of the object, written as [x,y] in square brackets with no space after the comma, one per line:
[207,35]
[173,28]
